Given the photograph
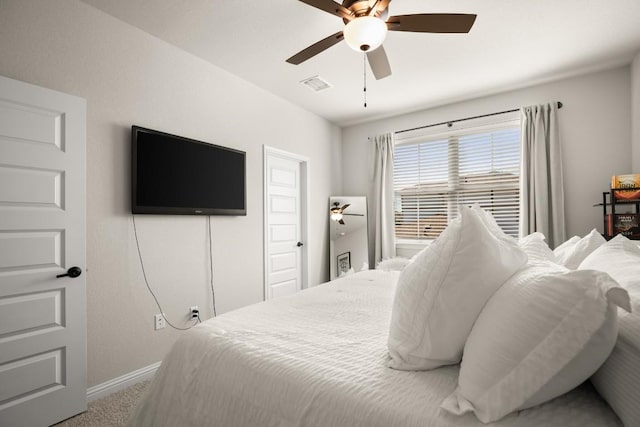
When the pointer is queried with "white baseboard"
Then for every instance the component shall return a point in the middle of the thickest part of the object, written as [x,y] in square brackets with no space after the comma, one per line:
[121,382]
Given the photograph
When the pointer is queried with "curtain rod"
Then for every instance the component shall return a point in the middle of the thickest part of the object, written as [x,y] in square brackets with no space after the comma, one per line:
[450,122]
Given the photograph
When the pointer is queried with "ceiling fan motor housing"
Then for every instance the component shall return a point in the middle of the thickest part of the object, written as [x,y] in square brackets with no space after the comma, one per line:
[361,8]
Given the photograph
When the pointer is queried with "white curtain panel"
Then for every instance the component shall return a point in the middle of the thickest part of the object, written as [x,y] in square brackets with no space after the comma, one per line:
[382,196]
[542,198]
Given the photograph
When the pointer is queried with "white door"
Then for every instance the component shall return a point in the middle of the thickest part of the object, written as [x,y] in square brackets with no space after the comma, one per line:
[42,235]
[283,224]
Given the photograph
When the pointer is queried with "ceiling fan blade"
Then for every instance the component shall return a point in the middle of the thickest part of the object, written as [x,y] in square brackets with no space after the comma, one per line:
[378,6]
[432,22]
[315,48]
[345,207]
[379,63]
[341,222]
[352,214]
[331,7]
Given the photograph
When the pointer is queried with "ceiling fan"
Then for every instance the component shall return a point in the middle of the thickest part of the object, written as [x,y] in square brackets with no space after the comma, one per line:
[337,212]
[366,29]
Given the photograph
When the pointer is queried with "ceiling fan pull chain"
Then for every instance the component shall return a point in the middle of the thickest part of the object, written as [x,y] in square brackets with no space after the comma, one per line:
[364,69]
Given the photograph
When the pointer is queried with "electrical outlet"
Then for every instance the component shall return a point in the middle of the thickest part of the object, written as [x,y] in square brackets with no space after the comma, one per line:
[159,321]
[194,312]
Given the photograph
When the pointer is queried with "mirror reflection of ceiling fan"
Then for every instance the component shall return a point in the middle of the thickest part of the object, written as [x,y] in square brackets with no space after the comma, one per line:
[366,26]
[337,212]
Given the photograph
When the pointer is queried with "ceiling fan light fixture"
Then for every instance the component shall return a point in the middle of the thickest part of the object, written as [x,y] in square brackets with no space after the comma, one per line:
[365,33]
[336,216]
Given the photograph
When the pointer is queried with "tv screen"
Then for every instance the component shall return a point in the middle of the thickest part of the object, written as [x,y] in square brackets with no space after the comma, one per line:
[175,175]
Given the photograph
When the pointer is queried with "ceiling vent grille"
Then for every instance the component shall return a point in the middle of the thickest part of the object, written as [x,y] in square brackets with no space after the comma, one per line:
[316,83]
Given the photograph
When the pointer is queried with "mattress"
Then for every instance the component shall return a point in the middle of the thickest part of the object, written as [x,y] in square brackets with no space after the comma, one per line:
[319,358]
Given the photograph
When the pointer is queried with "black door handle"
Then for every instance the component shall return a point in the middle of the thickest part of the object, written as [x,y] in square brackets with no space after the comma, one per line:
[72,272]
[299,244]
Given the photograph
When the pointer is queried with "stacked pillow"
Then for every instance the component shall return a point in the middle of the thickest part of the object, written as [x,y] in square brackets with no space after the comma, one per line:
[529,332]
[543,333]
[563,251]
[620,257]
[575,250]
[393,264]
[441,293]
[618,379]
[537,249]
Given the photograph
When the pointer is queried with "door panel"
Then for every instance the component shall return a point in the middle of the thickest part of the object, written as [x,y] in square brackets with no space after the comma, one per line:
[31,314]
[37,187]
[30,250]
[42,234]
[30,123]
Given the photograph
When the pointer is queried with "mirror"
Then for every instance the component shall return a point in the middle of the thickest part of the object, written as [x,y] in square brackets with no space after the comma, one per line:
[348,243]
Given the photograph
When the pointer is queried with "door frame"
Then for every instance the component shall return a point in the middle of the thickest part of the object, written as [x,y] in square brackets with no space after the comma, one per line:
[305,166]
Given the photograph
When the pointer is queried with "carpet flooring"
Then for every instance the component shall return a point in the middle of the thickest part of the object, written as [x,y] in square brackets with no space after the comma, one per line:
[110,411]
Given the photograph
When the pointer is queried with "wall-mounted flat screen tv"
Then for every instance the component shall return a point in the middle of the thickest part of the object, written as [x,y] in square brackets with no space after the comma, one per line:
[173,175]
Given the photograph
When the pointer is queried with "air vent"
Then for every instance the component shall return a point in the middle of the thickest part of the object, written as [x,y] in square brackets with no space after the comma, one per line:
[316,83]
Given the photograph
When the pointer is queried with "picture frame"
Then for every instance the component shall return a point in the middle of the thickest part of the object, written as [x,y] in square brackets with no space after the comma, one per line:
[344,263]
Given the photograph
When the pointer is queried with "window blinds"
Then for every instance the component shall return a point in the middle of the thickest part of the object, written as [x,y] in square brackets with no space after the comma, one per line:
[433,176]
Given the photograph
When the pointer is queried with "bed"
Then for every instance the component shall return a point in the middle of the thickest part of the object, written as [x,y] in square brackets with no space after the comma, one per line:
[319,358]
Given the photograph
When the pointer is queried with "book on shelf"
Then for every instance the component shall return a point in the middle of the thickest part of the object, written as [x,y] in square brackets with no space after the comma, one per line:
[625,224]
[627,186]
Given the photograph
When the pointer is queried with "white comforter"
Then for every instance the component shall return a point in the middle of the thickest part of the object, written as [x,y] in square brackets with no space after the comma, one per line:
[318,358]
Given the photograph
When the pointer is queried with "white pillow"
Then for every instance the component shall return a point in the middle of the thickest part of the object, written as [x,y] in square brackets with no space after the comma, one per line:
[536,248]
[545,331]
[583,248]
[620,257]
[533,236]
[565,249]
[393,264]
[440,294]
[618,380]
[490,222]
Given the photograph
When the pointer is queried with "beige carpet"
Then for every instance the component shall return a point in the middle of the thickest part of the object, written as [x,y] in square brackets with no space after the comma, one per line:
[110,411]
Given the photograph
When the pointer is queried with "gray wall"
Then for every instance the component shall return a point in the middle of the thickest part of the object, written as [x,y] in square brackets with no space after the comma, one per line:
[595,131]
[129,77]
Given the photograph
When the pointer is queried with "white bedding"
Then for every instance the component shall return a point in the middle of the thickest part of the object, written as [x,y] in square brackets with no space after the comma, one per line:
[319,358]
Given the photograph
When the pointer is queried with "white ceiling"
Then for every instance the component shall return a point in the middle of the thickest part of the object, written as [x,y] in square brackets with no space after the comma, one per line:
[514,43]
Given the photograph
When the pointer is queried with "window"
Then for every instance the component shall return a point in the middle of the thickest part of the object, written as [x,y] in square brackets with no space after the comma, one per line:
[434,174]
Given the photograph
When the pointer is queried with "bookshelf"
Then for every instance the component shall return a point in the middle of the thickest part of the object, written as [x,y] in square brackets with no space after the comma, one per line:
[616,222]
